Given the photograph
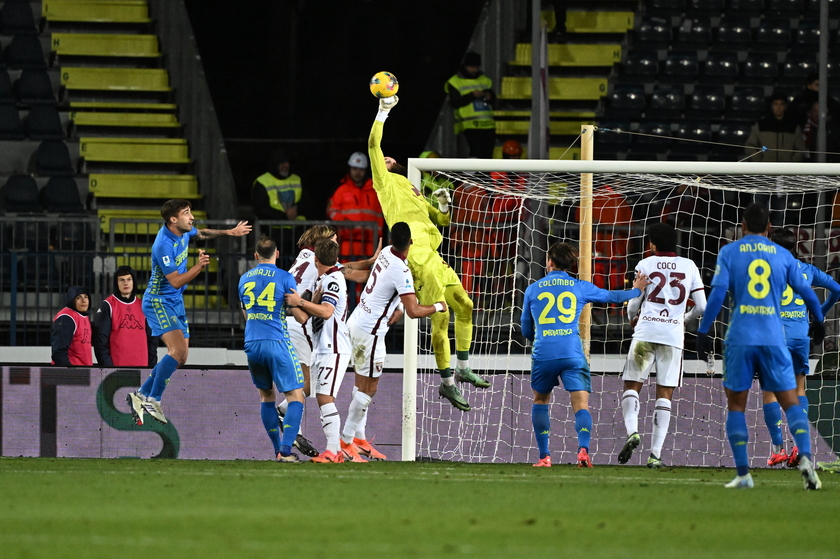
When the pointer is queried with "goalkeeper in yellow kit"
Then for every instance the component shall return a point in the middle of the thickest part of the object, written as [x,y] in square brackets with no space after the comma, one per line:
[434,279]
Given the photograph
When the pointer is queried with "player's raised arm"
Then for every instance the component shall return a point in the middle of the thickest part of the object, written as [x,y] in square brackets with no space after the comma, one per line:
[595,294]
[359,271]
[378,168]
[241,229]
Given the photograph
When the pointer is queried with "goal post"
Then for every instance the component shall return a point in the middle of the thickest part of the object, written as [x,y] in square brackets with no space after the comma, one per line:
[525,205]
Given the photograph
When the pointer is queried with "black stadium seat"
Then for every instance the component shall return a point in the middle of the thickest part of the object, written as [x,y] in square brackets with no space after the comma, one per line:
[654,32]
[761,67]
[25,52]
[721,65]
[773,32]
[52,159]
[798,66]
[44,123]
[7,95]
[707,102]
[747,103]
[34,87]
[61,195]
[734,33]
[20,195]
[641,63]
[16,18]
[680,65]
[667,101]
[11,127]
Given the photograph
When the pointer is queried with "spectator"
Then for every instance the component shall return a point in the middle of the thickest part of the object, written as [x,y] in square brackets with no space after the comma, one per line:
[471,97]
[121,335]
[779,133]
[811,130]
[810,94]
[277,193]
[355,200]
[70,331]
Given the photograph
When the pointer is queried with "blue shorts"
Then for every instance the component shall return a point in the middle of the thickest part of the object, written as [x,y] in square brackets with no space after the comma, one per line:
[800,352]
[771,363]
[165,315]
[574,373]
[274,361]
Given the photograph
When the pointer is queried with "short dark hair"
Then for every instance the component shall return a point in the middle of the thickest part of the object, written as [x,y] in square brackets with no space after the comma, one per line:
[171,208]
[266,247]
[785,238]
[664,236]
[563,255]
[756,218]
[326,252]
[124,271]
[401,235]
[779,96]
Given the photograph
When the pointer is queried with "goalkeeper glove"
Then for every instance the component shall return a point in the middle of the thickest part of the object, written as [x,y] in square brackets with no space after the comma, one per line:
[702,345]
[388,103]
[444,199]
[817,331]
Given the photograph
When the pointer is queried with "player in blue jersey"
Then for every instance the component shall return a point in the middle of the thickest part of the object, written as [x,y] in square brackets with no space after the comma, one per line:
[550,315]
[755,271]
[795,322]
[163,302]
[271,355]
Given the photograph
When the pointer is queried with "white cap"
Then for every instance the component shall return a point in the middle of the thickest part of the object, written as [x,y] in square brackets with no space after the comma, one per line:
[359,160]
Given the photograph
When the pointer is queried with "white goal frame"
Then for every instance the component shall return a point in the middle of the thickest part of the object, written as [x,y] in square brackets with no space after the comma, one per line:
[417,165]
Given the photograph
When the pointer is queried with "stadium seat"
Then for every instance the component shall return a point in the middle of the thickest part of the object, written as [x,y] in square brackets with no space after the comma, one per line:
[20,195]
[746,7]
[785,8]
[654,134]
[627,98]
[798,66]
[665,7]
[807,36]
[7,95]
[24,52]
[747,103]
[721,65]
[733,133]
[601,21]
[712,7]
[105,216]
[101,44]
[667,101]
[52,159]
[734,33]
[136,150]
[140,120]
[44,123]
[761,67]
[641,63]
[773,32]
[654,32]
[559,89]
[34,87]
[115,79]
[680,65]
[693,32]
[611,136]
[11,127]
[707,101]
[16,18]
[118,11]
[696,136]
[144,186]
[61,195]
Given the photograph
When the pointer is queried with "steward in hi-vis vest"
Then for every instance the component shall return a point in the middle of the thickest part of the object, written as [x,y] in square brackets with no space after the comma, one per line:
[471,97]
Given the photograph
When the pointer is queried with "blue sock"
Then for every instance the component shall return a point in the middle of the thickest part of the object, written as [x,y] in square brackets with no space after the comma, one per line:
[542,427]
[291,426]
[167,366]
[146,387]
[583,426]
[800,429]
[271,423]
[773,420]
[803,401]
[736,432]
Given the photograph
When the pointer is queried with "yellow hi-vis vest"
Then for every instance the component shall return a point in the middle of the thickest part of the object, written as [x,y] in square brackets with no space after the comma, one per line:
[282,193]
[477,114]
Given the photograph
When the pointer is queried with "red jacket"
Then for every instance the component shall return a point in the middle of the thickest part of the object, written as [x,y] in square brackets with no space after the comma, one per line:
[351,203]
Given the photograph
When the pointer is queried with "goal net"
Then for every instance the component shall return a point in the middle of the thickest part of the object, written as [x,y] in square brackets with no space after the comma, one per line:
[505,213]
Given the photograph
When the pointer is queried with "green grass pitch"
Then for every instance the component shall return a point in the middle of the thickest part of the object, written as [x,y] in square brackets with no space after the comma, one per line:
[205,509]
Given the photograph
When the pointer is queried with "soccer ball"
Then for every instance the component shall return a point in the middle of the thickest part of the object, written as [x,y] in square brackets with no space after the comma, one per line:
[384,84]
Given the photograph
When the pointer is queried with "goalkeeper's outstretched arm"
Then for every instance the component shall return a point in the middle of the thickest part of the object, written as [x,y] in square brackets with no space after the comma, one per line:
[378,167]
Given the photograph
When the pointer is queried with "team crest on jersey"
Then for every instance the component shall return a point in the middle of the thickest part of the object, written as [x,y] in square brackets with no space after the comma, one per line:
[378,367]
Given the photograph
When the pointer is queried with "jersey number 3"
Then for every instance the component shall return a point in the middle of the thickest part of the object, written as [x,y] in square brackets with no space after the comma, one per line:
[676,282]
[264,299]
[566,305]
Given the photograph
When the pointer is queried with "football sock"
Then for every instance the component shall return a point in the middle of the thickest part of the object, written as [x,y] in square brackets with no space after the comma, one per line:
[357,410]
[146,387]
[661,421]
[798,425]
[803,401]
[330,421]
[736,432]
[165,369]
[462,359]
[446,376]
[360,426]
[583,426]
[291,426]
[271,424]
[630,410]
[542,427]
[773,420]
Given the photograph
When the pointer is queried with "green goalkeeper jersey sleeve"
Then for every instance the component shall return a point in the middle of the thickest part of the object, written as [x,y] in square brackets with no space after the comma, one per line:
[401,200]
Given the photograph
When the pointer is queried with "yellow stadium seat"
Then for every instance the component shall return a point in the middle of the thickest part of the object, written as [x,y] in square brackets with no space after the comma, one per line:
[115,106]
[97,44]
[148,120]
[568,154]
[105,216]
[143,262]
[115,79]
[552,114]
[144,186]
[599,22]
[556,127]
[136,150]
[104,11]
[572,55]
[564,89]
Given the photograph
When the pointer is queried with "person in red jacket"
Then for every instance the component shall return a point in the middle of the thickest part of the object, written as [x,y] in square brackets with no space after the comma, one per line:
[121,335]
[355,200]
[70,331]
